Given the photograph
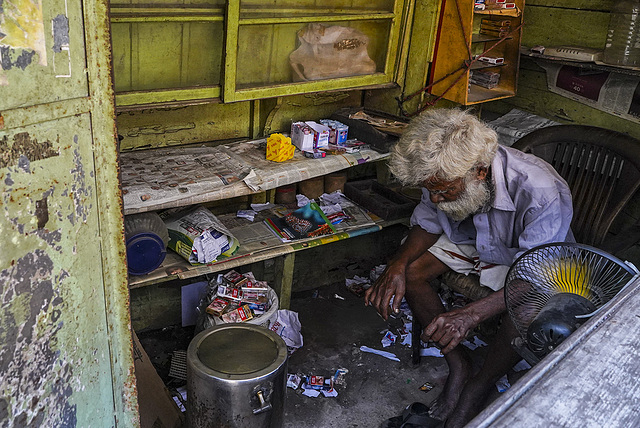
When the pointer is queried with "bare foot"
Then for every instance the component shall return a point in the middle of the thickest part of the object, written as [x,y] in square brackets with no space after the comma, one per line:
[471,402]
[459,373]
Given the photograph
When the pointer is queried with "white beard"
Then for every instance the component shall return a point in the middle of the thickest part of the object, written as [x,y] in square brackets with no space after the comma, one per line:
[476,195]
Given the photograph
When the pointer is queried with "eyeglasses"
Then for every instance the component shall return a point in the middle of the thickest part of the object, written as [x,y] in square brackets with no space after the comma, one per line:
[449,190]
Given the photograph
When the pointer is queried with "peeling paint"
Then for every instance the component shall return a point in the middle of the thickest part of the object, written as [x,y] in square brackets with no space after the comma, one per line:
[42,212]
[24,164]
[35,385]
[24,146]
[7,55]
[60,26]
[79,189]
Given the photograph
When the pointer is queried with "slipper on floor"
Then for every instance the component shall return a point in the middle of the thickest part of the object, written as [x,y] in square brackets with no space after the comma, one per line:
[415,415]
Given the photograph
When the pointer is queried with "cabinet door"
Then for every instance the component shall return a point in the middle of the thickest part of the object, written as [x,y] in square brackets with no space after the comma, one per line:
[167,51]
[66,356]
[300,46]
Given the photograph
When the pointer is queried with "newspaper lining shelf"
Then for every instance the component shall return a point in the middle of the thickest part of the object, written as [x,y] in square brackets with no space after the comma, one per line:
[242,169]
[258,243]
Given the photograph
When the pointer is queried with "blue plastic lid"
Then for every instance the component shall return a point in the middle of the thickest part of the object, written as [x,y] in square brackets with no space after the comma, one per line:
[145,252]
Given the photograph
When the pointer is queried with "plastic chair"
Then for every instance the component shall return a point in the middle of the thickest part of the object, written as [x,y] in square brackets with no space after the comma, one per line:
[602,169]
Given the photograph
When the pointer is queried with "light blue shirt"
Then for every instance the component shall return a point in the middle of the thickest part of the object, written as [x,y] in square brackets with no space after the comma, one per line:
[532,206]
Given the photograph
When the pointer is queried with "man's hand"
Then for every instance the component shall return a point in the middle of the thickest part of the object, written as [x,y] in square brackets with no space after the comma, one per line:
[449,329]
[390,283]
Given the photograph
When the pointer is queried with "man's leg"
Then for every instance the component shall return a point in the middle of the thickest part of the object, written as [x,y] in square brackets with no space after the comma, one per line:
[500,358]
[425,305]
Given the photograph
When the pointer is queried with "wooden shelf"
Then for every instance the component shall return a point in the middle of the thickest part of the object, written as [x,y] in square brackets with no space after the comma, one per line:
[478,94]
[514,13]
[479,65]
[481,38]
[175,267]
[596,66]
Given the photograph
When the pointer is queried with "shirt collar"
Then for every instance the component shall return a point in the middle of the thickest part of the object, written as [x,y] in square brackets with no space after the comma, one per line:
[502,199]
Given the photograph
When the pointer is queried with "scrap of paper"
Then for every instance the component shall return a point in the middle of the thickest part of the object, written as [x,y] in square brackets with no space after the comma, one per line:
[385,354]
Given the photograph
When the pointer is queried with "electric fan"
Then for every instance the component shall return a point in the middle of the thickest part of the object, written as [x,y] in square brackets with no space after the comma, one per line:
[552,289]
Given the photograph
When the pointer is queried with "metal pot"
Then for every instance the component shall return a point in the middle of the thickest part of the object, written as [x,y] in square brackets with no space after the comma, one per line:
[236,377]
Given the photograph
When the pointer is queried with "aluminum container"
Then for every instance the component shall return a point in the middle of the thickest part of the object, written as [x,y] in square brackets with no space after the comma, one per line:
[236,377]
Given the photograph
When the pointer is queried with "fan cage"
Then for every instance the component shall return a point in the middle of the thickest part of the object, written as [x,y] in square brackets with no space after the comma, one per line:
[550,269]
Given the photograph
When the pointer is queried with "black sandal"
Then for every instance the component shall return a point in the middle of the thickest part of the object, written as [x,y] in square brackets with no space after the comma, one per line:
[415,415]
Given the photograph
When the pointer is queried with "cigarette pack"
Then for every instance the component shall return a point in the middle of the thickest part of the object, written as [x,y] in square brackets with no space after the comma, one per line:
[235,279]
[255,286]
[319,382]
[314,154]
[255,297]
[229,292]
[256,308]
[494,33]
[242,314]
[321,134]
[294,381]
[338,131]
[217,307]
[491,60]
[332,149]
[501,6]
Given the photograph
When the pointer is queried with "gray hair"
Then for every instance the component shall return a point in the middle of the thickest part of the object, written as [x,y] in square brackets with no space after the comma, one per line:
[442,143]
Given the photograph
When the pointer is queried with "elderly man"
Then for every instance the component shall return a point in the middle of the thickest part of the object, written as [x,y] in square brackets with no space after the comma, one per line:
[482,206]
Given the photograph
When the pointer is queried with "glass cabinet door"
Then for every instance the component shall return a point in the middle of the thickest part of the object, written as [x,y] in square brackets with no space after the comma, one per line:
[167,51]
[298,46]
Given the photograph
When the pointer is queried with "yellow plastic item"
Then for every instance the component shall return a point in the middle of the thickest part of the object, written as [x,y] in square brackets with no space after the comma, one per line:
[279,148]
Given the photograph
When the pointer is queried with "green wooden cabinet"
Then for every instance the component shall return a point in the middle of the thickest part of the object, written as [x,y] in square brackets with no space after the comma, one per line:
[168,52]
[66,357]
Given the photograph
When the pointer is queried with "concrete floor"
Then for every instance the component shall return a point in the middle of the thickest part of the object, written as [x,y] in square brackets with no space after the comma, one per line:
[376,388]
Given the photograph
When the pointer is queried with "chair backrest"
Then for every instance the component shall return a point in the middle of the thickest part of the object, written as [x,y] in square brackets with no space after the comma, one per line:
[602,168]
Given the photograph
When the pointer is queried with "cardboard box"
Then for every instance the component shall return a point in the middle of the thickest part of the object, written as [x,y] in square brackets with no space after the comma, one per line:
[157,408]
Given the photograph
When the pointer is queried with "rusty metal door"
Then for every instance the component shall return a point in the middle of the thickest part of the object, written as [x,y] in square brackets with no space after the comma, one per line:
[65,344]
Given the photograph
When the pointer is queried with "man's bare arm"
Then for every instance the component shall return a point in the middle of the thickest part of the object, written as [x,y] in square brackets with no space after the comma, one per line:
[450,328]
[392,280]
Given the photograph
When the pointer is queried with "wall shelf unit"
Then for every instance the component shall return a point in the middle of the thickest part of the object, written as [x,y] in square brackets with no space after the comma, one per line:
[460,41]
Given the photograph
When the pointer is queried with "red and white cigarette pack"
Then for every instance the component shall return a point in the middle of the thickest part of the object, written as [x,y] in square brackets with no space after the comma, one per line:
[319,382]
[242,314]
[217,306]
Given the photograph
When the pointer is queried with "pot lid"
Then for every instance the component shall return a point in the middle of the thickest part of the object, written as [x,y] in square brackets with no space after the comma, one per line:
[239,350]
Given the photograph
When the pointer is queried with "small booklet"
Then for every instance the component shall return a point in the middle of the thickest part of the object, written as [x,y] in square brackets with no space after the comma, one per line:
[306,222]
